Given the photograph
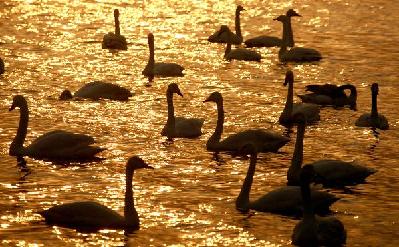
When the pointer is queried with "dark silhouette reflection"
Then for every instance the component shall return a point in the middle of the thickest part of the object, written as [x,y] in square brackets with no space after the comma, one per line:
[23,167]
[219,160]
[150,79]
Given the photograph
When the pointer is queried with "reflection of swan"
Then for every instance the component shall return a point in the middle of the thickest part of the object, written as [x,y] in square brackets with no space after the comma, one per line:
[115,40]
[54,145]
[265,141]
[373,119]
[160,69]
[311,111]
[241,54]
[270,41]
[329,94]
[1,66]
[314,230]
[224,35]
[284,200]
[93,215]
[329,172]
[179,126]
[99,90]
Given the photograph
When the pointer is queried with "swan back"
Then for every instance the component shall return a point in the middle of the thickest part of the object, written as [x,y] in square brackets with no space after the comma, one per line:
[103,90]
[241,54]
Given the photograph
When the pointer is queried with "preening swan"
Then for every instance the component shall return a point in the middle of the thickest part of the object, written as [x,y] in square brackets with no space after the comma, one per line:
[241,54]
[373,119]
[55,145]
[311,111]
[176,127]
[1,67]
[115,40]
[284,200]
[265,141]
[99,90]
[93,215]
[224,35]
[160,69]
[314,230]
[270,41]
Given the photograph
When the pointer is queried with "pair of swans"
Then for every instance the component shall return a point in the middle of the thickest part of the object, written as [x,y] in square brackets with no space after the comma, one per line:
[99,90]
[2,69]
[115,40]
[57,145]
[224,35]
[90,215]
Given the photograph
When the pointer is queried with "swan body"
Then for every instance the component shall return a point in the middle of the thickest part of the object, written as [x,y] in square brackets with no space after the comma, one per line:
[99,90]
[2,69]
[160,69]
[241,54]
[373,119]
[95,216]
[115,40]
[179,127]
[54,145]
[225,35]
[265,141]
[311,111]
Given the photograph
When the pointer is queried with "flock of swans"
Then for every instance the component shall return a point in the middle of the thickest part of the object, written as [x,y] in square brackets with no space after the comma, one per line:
[296,198]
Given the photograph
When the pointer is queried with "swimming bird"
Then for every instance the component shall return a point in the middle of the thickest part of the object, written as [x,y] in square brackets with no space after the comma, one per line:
[224,35]
[241,54]
[315,230]
[311,111]
[99,90]
[2,69]
[265,140]
[373,119]
[115,40]
[93,215]
[179,127]
[57,145]
[285,200]
[160,69]
[271,41]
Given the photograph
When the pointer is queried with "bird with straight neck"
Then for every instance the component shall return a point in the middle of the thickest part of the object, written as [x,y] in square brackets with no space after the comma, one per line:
[115,40]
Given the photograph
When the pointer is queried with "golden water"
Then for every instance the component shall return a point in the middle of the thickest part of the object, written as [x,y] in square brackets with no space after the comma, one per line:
[188,200]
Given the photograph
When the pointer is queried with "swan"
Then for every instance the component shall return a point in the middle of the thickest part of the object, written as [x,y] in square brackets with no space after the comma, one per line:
[115,40]
[373,119]
[241,54]
[224,35]
[329,94]
[284,200]
[314,230]
[95,216]
[179,127]
[311,111]
[330,173]
[54,145]
[270,41]
[265,141]
[99,90]
[1,67]
[160,69]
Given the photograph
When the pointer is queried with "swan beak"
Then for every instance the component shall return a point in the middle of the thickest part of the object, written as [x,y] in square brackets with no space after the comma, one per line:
[207,100]
[179,93]
[12,107]
[149,167]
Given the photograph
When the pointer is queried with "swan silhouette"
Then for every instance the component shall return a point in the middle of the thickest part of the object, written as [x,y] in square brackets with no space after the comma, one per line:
[2,69]
[373,119]
[241,54]
[160,69]
[271,41]
[182,127]
[93,215]
[55,145]
[224,35]
[311,111]
[115,40]
[99,90]
[329,94]
[314,230]
[285,200]
[265,141]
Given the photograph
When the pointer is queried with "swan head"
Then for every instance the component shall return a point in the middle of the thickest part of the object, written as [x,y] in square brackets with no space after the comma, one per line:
[307,174]
[66,95]
[150,38]
[291,13]
[214,97]
[174,88]
[289,78]
[17,101]
[116,13]
[374,88]
[135,163]
[281,18]
[239,8]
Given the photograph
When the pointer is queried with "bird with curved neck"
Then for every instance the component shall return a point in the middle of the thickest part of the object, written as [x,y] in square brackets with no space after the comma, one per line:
[90,215]
[373,119]
[311,111]
[271,41]
[241,54]
[2,69]
[98,90]
[179,127]
[160,69]
[115,40]
[224,35]
[265,141]
[57,145]
[285,200]
[314,230]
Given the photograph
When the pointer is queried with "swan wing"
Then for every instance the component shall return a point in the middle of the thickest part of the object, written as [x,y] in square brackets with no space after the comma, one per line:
[330,232]
[301,54]
[318,99]
[188,127]
[263,41]
[224,35]
[168,69]
[311,111]
[365,120]
[243,54]
[113,41]
[103,90]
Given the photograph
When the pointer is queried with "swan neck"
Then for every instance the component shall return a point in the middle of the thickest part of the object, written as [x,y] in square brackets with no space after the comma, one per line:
[374,111]
[228,49]
[242,201]
[131,216]
[289,35]
[170,123]
[217,135]
[17,144]
[149,68]
[290,100]
[238,24]
[297,158]
[117,25]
